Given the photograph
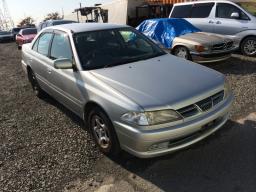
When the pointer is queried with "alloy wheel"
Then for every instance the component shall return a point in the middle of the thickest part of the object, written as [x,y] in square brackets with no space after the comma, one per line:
[101,132]
[250,47]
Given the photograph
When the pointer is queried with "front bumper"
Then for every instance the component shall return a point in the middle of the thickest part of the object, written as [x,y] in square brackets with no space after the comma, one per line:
[173,138]
[211,57]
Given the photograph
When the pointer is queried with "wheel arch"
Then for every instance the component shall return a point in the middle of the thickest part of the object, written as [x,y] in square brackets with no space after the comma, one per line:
[89,106]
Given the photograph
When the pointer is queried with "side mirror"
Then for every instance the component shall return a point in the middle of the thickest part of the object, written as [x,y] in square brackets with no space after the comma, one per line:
[63,64]
[235,15]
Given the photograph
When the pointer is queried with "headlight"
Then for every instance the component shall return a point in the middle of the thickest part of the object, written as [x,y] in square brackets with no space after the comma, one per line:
[151,117]
[227,88]
[200,48]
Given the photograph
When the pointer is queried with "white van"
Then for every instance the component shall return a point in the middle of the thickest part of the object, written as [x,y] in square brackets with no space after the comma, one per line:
[223,17]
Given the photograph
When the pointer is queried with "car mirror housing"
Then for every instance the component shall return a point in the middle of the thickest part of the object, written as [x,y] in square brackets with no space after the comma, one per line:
[63,64]
[235,15]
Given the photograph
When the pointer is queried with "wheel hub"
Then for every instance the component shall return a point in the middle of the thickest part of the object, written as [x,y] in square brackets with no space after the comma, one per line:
[101,132]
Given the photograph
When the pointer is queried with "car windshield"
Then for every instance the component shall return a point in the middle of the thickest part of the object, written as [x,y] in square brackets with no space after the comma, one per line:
[29,31]
[108,48]
[250,7]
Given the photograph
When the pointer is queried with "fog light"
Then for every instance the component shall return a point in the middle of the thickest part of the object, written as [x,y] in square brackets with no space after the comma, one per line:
[158,146]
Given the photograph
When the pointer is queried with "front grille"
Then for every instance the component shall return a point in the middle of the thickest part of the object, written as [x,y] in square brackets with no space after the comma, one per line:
[222,46]
[203,105]
[188,111]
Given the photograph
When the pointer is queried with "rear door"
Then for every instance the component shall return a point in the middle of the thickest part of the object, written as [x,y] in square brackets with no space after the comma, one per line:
[40,61]
[225,24]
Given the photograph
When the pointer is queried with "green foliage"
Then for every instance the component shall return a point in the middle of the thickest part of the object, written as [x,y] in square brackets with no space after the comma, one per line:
[53,16]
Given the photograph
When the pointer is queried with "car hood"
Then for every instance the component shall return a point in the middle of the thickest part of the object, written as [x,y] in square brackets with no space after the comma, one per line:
[165,81]
[203,38]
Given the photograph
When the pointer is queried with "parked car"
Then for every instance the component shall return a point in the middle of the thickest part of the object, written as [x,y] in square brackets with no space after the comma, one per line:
[25,36]
[182,39]
[49,23]
[131,94]
[5,36]
[223,17]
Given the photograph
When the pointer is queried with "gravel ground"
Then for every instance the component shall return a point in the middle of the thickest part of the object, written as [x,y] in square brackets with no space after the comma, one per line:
[43,146]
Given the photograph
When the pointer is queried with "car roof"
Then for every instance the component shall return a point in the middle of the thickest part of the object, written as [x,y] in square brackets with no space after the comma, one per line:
[204,1]
[83,27]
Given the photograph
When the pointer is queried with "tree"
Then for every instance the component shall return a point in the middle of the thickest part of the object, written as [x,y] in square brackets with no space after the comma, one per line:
[54,16]
[28,21]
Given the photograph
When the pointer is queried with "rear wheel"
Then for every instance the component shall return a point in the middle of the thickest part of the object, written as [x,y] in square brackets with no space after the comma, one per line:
[103,132]
[248,46]
[35,86]
[182,52]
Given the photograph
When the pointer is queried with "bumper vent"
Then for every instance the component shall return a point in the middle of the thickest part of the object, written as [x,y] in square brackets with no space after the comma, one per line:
[203,105]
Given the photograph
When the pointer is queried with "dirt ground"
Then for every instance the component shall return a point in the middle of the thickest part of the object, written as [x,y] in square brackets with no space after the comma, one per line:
[44,147]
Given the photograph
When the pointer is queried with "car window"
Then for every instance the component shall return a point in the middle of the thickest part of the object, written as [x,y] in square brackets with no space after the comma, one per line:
[225,10]
[44,43]
[29,31]
[181,11]
[61,47]
[35,46]
[201,10]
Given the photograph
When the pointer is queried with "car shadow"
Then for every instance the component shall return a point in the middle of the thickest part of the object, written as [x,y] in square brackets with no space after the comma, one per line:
[225,161]
[72,116]
[237,65]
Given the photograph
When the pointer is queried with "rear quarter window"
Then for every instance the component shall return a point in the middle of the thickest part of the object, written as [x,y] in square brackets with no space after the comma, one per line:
[197,10]
[181,11]
[201,10]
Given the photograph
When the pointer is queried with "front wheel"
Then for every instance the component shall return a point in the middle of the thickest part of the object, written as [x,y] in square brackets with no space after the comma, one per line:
[248,46]
[182,52]
[103,132]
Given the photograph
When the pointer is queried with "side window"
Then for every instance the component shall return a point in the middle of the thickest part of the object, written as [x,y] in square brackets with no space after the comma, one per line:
[201,10]
[44,43]
[181,11]
[61,47]
[225,10]
[35,46]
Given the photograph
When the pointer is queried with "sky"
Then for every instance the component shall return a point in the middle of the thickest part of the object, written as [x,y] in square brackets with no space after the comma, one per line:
[38,9]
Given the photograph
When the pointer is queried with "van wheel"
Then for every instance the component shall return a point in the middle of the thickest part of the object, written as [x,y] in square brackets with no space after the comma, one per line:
[35,86]
[182,52]
[103,132]
[248,46]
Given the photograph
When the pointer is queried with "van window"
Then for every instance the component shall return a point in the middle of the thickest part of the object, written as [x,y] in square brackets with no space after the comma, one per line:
[201,10]
[181,11]
[225,10]
[198,10]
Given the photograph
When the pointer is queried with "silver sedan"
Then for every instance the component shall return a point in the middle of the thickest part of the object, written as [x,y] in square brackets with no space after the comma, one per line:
[131,94]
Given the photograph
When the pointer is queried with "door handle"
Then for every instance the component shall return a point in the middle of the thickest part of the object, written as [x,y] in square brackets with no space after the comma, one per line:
[211,22]
[49,70]
[218,22]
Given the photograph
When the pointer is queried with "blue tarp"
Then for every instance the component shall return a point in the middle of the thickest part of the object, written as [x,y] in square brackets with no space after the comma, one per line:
[164,30]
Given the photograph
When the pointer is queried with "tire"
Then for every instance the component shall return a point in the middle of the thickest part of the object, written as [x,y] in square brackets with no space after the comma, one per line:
[182,52]
[35,86]
[103,132]
[19,47]
[248,46]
